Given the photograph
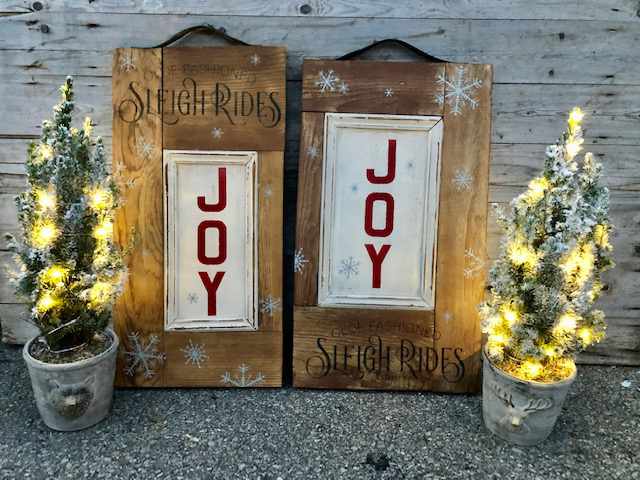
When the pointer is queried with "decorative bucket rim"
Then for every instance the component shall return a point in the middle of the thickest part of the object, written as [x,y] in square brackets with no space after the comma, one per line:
[75,365]
[543,385]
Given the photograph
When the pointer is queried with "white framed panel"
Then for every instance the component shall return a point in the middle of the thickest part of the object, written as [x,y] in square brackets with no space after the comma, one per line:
[211,264]
[379,210]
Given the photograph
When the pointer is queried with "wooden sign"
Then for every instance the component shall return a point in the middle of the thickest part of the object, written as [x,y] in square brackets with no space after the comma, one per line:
[198,140]
[391,225]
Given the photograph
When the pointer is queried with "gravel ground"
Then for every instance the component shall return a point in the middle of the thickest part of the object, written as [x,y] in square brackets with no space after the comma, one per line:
[291,434]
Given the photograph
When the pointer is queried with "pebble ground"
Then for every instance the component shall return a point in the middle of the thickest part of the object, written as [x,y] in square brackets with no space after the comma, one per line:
[297,434]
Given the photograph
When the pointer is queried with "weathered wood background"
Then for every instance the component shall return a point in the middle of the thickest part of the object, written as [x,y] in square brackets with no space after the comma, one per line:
[548,56]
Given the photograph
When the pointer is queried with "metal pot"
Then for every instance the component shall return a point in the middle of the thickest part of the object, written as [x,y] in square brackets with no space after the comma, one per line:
[76,395]
[520,411]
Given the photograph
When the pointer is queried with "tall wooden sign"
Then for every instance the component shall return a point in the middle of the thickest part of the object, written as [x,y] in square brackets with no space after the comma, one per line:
[198,140]
[391,225]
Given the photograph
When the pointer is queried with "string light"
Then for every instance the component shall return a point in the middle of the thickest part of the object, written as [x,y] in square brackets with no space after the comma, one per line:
[578,264]
[537,188]
[100,293]
[575,117]
[46,302]
[509,314]
[522,255]
[103,230]
[46,199]
[567,322]
[586,335]
[531,369]
[44,234]
[99,199]
[55,274]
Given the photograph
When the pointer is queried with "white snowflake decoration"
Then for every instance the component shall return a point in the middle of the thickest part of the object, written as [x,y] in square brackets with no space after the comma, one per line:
[349,267]
[254,59]
[270,305]
[458,91]
[327,81]
[344,88]
[447,316]
[130,183]
[192,297]
[312,151]
[462,180]
[267,191]
[217,133]
[126,62]
[144,148]
[143,357]
[473,264]
[388,92]
[299,261]
[194,354]
[243,380]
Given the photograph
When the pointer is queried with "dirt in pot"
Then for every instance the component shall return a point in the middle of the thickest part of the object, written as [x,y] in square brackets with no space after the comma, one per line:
[99,343]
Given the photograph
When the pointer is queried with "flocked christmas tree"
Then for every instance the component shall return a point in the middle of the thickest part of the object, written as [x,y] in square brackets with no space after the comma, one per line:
[71,270]
[548,275]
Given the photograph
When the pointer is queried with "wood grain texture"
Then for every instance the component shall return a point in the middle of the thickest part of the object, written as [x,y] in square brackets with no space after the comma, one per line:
[454,339]
[367,349]
[461,261]
[524,51]
[372,87]
[229,359]
[531,114]
[541,68]
[270,240]
[217,99]
[308,205]
[140,308]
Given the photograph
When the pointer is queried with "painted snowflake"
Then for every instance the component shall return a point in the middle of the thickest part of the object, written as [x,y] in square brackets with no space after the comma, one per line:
[217,133]
[192,297]
[473,264]
[144,148]
[312,151]
[388,92]
[254,59]
[267,191]
[143,357]
[462,180]
[447,316]
[299,261]
[327,81]
[343,88]
[194,354]
[270,305]
[243,380]
[349,267]
[126,62]
[458,91]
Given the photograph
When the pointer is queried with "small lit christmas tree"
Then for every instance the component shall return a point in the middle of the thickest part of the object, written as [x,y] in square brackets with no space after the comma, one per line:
[70,271]
[548,275]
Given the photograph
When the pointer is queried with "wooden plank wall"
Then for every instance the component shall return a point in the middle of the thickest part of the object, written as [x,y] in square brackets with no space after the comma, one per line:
[547,56]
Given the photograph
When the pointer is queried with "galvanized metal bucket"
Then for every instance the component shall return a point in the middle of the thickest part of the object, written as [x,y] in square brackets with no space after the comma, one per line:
[77,395]
[519,411]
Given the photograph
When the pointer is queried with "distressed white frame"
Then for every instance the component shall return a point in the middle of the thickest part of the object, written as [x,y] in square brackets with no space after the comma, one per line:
[248,159]
[433,127]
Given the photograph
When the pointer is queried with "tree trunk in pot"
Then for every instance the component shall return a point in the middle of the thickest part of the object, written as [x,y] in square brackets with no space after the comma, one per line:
[77,395]
[519,411]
